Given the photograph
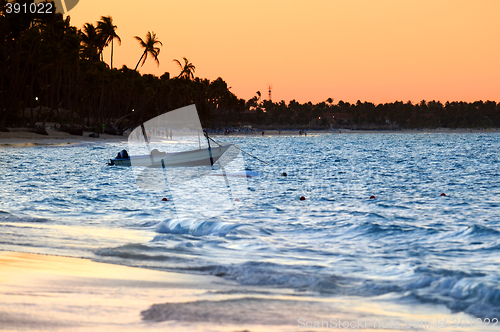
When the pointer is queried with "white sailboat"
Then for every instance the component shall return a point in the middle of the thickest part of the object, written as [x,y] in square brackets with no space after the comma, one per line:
[171,154]
[172,139]
[175,159]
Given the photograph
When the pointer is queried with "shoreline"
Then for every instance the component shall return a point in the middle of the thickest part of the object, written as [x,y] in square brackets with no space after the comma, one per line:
[56,293]
[312,132]
[21,139]
[18,138]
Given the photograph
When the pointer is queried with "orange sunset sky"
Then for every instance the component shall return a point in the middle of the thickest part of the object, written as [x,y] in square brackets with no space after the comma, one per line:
[368,50]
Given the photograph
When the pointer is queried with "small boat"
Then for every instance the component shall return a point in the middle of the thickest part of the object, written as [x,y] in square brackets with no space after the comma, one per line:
[199,157]
[172,154]
[173,139]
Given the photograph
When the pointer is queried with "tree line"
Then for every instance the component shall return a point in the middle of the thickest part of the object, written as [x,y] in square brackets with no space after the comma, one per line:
[367,115]
[51,71]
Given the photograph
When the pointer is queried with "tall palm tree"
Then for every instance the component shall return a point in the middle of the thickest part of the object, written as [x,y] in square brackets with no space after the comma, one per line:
[91,41]
[187,70]
[149,48]
[106,30]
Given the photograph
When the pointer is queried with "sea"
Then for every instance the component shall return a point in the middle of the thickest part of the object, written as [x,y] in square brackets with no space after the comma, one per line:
[413,218]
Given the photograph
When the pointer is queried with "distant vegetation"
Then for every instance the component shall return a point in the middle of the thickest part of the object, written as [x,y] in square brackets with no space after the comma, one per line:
[366,115]
[52,71]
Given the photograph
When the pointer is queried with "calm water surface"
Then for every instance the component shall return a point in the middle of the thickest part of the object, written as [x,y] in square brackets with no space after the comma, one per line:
[409,242]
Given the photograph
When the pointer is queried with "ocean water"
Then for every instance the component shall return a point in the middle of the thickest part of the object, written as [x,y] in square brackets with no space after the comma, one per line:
[409,243]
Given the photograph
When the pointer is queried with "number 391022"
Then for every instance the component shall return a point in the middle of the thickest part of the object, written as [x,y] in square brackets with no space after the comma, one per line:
[29,8]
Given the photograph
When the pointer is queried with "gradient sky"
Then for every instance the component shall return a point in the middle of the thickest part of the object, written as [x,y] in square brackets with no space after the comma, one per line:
[368,50]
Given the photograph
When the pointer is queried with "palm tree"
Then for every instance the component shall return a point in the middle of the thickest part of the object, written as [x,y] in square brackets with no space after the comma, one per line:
[149,48]
[91,41]
[187,70]
[106,30]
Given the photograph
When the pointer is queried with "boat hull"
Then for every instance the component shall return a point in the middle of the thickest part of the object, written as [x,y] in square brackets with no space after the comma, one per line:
[201,157]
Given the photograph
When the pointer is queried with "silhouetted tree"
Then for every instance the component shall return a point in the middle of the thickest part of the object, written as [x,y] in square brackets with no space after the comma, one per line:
[187,69]
[107,33]
[150,47]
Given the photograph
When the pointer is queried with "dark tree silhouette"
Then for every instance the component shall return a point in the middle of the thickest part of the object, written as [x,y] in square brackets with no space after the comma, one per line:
[52,72]
[150,47]
[107,33]
[91,42]
[187,69]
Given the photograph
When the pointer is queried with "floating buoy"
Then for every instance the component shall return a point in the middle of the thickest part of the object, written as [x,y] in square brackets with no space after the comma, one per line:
[372,197]
[442,194]
[302,198]
[237,200]
[284,174]
[164,199]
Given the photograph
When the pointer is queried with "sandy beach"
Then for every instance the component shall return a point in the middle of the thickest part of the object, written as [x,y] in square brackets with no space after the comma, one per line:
[19,137]
[53,293]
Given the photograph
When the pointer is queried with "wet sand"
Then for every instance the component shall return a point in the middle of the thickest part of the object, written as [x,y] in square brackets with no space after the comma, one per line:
[53,293]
